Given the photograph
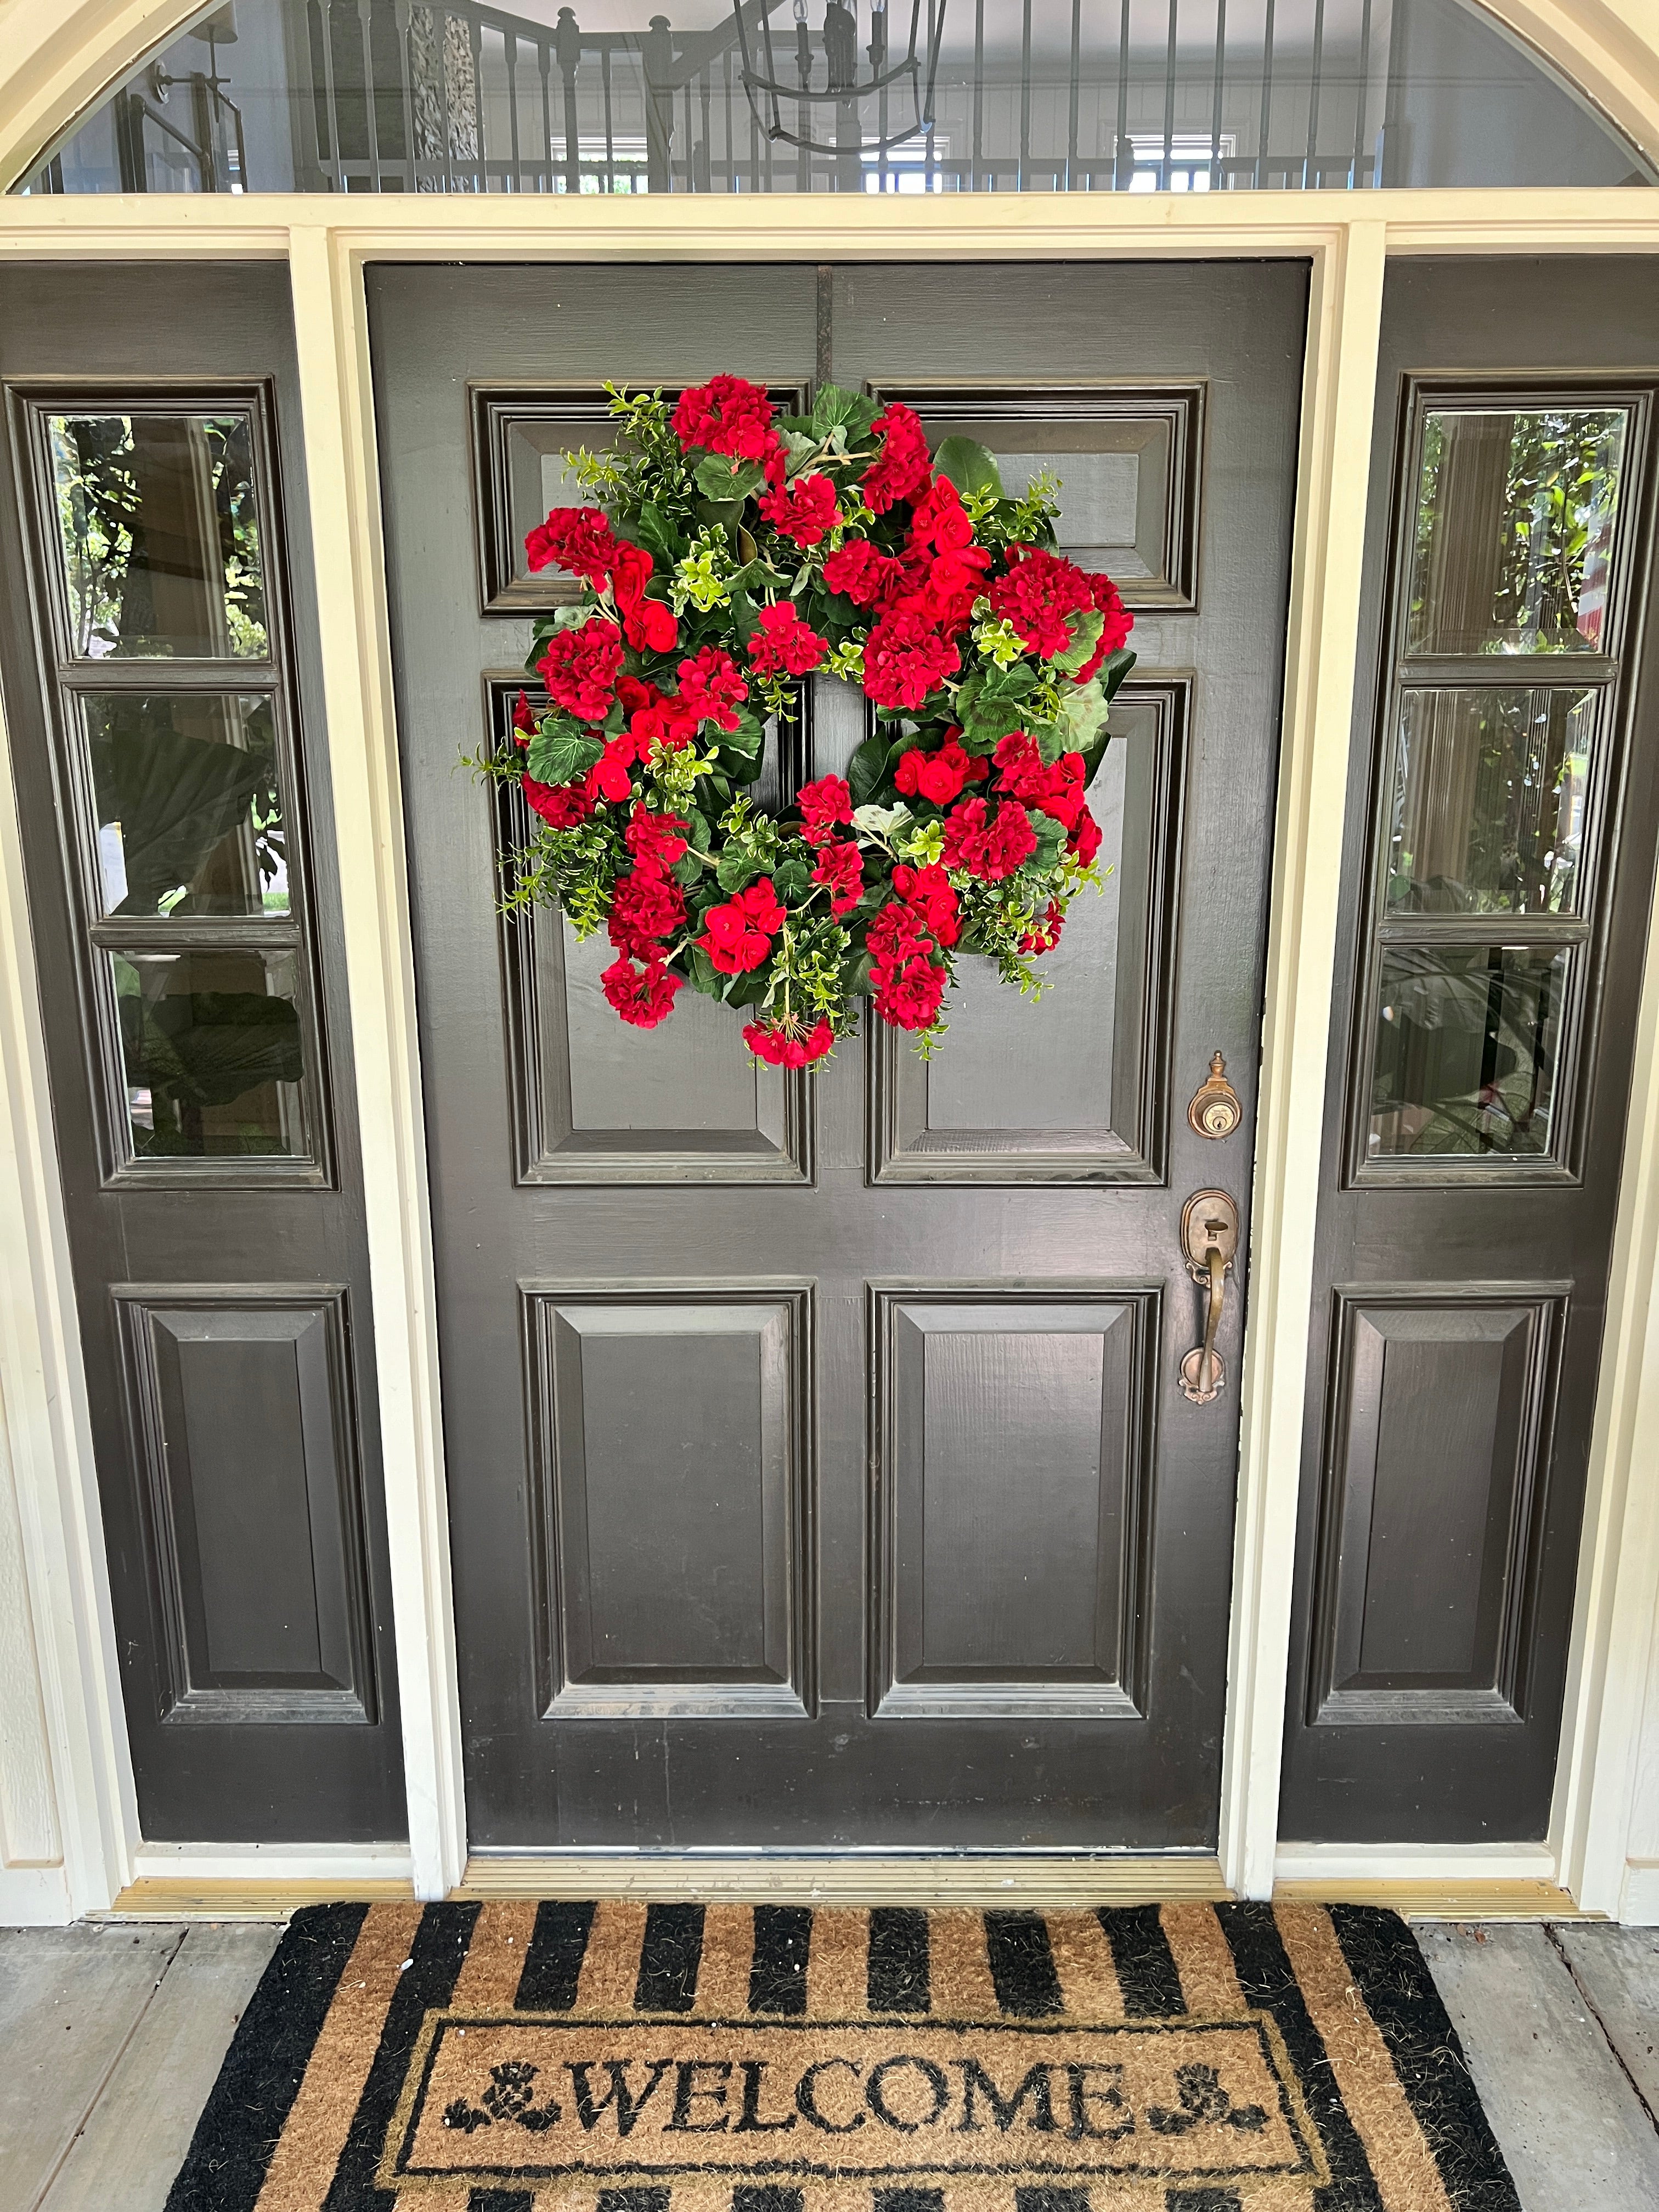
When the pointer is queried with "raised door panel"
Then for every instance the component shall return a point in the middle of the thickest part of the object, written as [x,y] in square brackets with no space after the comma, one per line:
[1013,1457]
[245,1438]
[1067,1087]
[673,1567]
[1444,1403]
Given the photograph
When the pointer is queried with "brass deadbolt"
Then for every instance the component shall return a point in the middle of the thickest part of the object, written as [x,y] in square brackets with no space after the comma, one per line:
[1215,1110]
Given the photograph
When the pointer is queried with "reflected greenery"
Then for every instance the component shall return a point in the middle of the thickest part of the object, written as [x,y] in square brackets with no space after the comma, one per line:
[1467,1051]
[211,1071]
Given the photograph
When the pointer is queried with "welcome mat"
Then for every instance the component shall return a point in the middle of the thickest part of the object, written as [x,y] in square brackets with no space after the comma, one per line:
[621,2057]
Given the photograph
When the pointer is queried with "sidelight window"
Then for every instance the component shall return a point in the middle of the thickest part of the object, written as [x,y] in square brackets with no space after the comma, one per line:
[1497,768]
[177,768]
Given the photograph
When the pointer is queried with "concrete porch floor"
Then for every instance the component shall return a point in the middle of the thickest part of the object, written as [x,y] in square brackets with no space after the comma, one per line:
[111,2036]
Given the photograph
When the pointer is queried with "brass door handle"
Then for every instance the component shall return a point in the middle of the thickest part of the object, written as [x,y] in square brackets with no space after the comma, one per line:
[1209,1243]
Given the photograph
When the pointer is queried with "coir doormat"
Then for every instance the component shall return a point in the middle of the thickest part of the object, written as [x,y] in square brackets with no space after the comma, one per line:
[571,2057]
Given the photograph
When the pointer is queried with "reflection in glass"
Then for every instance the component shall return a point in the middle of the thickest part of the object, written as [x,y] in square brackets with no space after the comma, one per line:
[189,814]
[1515,520]
[1467,1051]
[1489,801]
[160,532]
[211,1045]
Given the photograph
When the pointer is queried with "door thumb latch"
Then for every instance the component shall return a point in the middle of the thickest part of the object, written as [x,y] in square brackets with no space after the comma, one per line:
[1209,1245]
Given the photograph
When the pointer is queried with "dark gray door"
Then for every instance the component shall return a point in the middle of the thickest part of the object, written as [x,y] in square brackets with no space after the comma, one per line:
[1500,840]
[162,696]
[817,1469]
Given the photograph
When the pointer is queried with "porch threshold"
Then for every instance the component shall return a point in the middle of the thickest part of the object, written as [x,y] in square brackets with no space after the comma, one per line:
[852,1877]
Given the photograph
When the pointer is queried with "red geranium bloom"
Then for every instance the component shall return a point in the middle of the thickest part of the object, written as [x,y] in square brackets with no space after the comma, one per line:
[739,936]
[562,804]
[1084,839]
[1039,591]
[642,997]
[985,844]
[905,659]
[841,871]
[711,689]
[579,668]
[648,624]
[940,520]
[938,777]
[781,1046]
[575,539]
[1119,623]
[783,643]
[907,985]
[862,571]
[726,416]
[822,806]
[902,468]
[1054,789]
[928,892]
[804,510]
[654,840]
[1046,935]
[647,904]
[523,721]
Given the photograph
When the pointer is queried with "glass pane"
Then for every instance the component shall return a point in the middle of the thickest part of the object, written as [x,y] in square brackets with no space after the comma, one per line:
[1514,516]
[212,1042]
[1030,95]
[190,817]
[160,532]
[1467,1051]
[1489,801]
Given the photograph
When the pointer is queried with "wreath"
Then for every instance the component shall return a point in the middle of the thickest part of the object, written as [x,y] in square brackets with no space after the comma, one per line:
[731,554]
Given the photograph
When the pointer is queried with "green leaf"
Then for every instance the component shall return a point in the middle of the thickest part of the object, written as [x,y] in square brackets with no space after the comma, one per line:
[1116,667]
[851,410]
[858,983]
[1085,628]
[792,881]
[725,512]
[747,990]
[737,869]
[867,769]
[705,977]
[687,869]
[1093,753]
[657,534]
[970,465]
[559,755]
[1050,837]
[721,478]
[990,721]
[744,615]
[1009,682]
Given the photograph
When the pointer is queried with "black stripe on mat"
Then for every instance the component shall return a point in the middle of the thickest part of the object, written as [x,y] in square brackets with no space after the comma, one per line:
[553,1959]
[500,2200]
[909,2200]
[1051,2200]
[435,1958]
[1203,2200]
[669,1959]
[766,2197]
[1399,1995]
[1268,1983]
[633,2200]
[896,1980]
[1147,1971]
[777,1977]
[229,2154]
[1022,1964]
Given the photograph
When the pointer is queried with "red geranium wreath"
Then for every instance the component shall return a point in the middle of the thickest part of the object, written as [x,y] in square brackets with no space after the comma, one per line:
[738,553]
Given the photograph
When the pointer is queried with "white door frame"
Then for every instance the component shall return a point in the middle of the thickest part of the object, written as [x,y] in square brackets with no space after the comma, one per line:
[1347,239]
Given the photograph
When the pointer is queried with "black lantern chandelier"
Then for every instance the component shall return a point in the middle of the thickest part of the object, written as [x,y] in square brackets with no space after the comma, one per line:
[903,78]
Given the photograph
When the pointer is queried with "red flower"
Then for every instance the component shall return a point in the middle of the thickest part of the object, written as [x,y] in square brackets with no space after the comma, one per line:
[1084,839]
[654,840]
[648,624]
[905,659]
[907,985]
[1046,935]
[523,721]
[940,520]
[641,996]
[1119,623]
[902,468]
[711,689]
[579,668]
[1037,595]
[822,806]
[739,936]
[985,844]
[563,804]
[938,777]
[861,570]
[610,777]
[783,643]
[1057,790]
[781,1046]
[576,538]
[841,871]
[804,510]
[726,416]
[928,894]
[647,904]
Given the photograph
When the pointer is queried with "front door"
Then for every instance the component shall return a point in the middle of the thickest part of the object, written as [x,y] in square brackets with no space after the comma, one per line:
[820,1472]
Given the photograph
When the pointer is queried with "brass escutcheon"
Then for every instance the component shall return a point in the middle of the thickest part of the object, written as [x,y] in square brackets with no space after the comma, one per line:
[1215,1110]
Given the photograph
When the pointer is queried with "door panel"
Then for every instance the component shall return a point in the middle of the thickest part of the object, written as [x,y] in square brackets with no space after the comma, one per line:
[1500,842]
[818,1471]
[164,703]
